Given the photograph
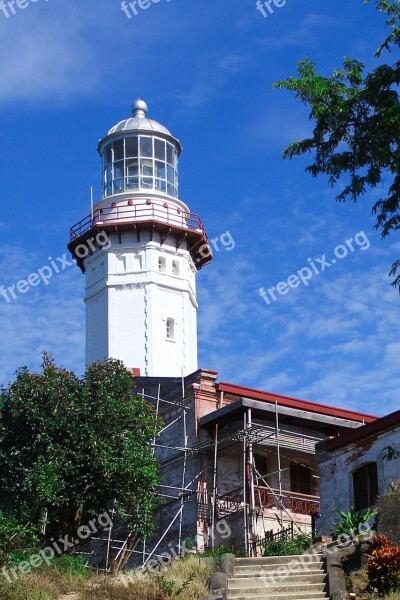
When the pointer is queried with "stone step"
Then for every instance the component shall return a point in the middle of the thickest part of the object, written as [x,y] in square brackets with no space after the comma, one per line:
[305,559]
[300,577]
[234,587]
[274,579]
[271,596]
[268,597]
[280,570]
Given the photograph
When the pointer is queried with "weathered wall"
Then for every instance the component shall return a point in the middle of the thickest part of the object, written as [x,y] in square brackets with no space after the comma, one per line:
[200,397]
[337,466]
[389,517]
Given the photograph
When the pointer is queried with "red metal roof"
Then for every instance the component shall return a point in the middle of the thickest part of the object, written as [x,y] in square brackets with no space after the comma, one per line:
[388,422]
[323,409]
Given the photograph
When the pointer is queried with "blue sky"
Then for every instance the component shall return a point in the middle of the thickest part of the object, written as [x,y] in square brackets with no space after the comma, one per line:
[70,70]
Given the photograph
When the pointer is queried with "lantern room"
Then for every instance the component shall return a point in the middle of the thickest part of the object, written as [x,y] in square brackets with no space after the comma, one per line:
[140,154]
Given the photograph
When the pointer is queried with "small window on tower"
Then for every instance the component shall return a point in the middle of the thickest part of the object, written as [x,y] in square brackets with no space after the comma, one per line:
[161,264]
[170,329]
[175,268]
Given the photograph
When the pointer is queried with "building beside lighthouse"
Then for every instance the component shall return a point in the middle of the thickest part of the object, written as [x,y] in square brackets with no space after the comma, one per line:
[237,464]
[141,302]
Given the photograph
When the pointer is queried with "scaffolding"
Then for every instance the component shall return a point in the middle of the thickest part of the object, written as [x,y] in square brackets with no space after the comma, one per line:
[255,496]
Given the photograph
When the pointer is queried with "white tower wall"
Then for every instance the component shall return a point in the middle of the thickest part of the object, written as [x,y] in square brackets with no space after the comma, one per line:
[129,301]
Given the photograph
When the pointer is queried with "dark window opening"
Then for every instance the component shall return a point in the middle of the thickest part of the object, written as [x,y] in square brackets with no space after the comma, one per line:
[300,479]
[365,486]
[261,464]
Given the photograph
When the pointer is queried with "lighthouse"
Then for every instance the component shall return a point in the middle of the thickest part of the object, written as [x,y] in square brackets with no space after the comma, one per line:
[141,301]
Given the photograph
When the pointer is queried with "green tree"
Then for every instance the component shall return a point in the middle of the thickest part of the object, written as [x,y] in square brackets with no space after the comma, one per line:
[70,449]
[356,135]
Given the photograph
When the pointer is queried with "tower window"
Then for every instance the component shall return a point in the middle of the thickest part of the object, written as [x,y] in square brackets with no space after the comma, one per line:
[161,264]
[175,268]
[170,329]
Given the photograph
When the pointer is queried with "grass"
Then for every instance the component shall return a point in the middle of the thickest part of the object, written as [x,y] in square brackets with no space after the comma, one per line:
[359,582]
[47,583]
[29,588]
[186,579]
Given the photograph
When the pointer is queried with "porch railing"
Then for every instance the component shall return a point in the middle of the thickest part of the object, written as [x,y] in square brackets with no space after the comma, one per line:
[302,504]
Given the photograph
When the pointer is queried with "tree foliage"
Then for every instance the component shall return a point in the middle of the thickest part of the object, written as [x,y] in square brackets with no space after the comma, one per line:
[356,136]
[73,448]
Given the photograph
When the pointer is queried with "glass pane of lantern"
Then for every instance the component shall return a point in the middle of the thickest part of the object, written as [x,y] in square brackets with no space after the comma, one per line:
[108,154]
[160,185]
[160,169]
[109,177]
[170,154]
[131,147]
[146,146]
[119,169]
[146,168]
[132,174]
[159,149]
[118,185]
[118,150]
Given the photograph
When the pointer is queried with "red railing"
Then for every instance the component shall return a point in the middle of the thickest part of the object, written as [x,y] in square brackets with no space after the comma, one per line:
[297,503]
[137,213]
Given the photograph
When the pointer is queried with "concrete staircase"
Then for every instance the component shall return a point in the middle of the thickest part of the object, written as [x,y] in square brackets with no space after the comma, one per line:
[279,578]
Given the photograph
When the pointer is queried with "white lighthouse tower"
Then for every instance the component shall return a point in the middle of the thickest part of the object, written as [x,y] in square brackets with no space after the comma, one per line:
[141,304]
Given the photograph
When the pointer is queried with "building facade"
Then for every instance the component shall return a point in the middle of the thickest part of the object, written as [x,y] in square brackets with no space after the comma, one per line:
[358,466]
[236,460]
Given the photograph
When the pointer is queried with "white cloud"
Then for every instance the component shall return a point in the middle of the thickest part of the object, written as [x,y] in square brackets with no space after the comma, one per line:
[304,35]
[53,58]
[334,342]
[211,81]
[47,318]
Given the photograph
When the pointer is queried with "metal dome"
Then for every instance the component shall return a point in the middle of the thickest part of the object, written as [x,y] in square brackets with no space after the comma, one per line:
[139,121]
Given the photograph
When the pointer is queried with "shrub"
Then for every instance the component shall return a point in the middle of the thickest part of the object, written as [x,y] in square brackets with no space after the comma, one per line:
[220,549]
[383,566]
[352,524]
[72,565]
[376,543]
[288,547]
[171,588]
[14,534]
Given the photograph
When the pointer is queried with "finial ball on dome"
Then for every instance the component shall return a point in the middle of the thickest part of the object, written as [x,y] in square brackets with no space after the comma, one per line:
[139,107]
